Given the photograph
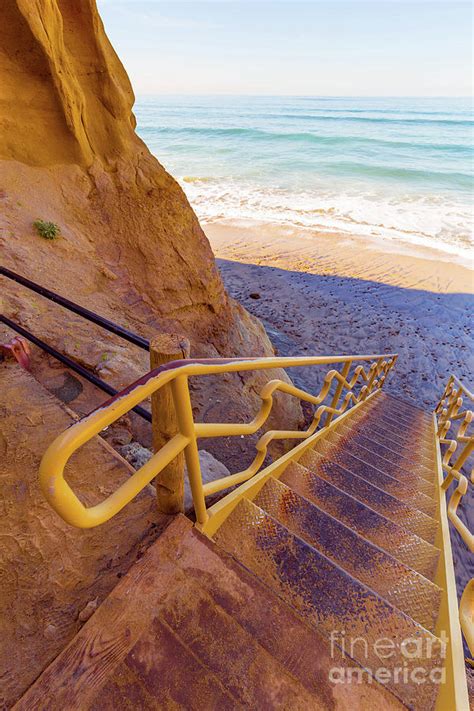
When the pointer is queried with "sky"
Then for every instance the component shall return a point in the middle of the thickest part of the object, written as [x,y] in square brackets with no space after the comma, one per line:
[288,47]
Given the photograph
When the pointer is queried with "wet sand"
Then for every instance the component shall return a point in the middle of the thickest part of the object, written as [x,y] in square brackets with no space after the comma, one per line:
[329,294]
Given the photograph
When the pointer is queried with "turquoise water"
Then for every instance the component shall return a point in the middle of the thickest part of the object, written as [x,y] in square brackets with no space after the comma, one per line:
[391,168]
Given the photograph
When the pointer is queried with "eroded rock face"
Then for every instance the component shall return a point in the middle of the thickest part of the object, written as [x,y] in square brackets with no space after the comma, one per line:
[131,247]
[67,110]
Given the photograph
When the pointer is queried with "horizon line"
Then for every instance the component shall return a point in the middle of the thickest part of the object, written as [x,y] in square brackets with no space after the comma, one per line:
[308,96]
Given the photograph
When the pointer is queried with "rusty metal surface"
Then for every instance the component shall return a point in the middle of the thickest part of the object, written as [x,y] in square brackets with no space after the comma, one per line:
[324,594]
[369,420]
[383,573]
[391,400]
[407,461]
[405,428]
[402,418]
[300,648]
[408,478]
[406,415]
[392,537]
[384,503]
[408,491]
[252,676]
[413,421]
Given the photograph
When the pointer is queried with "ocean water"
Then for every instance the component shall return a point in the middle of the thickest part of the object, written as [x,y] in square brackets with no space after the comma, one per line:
[389,168]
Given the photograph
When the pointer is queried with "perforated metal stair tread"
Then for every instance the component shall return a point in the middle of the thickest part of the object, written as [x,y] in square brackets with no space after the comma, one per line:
[299,646]
[322,592]
[399,511]
[389,535]
[413,461]
[405,415]
[402,586]
[368,419]
[417,450]
[389,399]
[345,448]
[412,491]
[411,419]
[403,428]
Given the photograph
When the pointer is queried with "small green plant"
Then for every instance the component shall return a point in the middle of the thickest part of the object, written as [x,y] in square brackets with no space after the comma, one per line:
[47,230]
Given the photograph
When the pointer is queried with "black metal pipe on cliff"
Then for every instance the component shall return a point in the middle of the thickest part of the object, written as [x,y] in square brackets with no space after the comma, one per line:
[80,310]
[69,363]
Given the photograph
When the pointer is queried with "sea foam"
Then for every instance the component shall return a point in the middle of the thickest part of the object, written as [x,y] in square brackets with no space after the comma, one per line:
[393,169]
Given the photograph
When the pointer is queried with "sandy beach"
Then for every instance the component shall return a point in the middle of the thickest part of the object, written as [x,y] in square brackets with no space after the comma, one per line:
[333,294]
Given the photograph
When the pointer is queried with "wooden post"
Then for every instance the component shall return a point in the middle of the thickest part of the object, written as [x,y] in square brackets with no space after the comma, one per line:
[170,482]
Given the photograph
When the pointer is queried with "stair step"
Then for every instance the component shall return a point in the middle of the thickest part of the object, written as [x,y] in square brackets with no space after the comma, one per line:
[389,535]
[374,416]
[125,656]
[327,596]
[413,461]
[403,428]
[402,586]
[372,495]
[299,646]
[419,452]
[408,412]
[410,476]
[391,400]
[52,571]
[411,419]
[253,677]
[409,428]
[189,628]
[412,491]
[161,673]
[388,400]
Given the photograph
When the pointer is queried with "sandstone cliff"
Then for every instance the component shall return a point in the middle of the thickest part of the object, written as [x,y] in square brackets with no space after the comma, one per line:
[131,247]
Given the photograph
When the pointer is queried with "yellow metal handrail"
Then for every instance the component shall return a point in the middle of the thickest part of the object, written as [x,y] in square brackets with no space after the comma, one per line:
[70,508]
[449,413]
[466,616]
[453,421]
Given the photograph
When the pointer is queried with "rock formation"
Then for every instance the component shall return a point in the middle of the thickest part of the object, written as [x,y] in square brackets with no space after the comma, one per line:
[131,247]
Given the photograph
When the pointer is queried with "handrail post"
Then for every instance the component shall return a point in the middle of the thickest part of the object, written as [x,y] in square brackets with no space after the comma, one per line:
[447,390]
[169,482]
[338,392]
[464,455]
[373,376]
[184,412]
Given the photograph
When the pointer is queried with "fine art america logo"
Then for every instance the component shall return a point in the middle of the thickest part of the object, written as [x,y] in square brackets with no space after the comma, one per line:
[415,660]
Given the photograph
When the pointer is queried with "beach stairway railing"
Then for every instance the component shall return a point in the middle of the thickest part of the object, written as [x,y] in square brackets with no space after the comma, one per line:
[322,579]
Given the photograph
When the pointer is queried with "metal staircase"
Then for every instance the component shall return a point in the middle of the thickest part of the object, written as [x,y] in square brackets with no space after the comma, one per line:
[342,550]
[321,580]
[359,593]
